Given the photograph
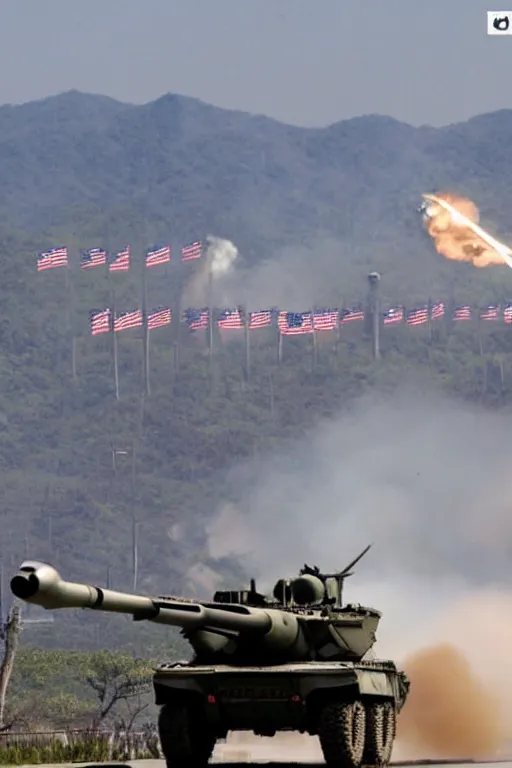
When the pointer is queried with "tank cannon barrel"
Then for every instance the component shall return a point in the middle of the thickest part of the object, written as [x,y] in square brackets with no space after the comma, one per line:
[41,584]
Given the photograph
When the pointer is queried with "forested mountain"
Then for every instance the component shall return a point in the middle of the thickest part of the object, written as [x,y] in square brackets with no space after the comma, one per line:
[89,167]
[311,211]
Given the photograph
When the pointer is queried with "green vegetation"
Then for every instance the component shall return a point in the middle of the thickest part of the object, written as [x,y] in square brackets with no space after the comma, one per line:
[63,689]
[81,694]
[72,705]
[76,748]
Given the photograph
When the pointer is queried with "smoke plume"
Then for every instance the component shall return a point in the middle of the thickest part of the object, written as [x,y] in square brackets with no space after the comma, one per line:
[217,263]
[427,480]
[221,254]
[453,238]
[300,276]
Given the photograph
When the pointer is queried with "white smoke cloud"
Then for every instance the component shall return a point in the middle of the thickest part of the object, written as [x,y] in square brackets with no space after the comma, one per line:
[221,254]
[297,277]
[424,478]
[413,473]
[329,272]
[208,282]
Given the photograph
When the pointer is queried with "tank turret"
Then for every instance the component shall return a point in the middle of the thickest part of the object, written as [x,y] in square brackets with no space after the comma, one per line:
[295,660]
[303,620]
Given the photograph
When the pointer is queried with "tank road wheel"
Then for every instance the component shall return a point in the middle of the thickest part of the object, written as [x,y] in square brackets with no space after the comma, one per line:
[341,730]
[380,733]
[185,743]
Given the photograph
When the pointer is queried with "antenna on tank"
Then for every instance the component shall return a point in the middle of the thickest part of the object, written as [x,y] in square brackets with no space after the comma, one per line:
[338,576]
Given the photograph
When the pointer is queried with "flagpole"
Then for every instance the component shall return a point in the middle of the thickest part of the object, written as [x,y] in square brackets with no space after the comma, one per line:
[145,326]
[374,280]
[212,317]
[314,350]
[479,331]
[176,317]
[337,338]
[71,318]
[279,338]
[210,321]
[450,306]
[114,337]
[112,319]
[247,345]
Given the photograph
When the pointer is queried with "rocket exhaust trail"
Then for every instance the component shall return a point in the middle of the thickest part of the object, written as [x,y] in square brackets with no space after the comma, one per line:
[459,219]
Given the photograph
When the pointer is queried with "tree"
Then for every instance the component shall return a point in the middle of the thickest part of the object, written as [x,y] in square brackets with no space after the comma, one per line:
[9,633]
[115,678]
[69,688]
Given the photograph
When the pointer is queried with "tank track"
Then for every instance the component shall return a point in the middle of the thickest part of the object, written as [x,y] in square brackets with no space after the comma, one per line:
[185,741]
[342,729]
[380,733]
[353,734]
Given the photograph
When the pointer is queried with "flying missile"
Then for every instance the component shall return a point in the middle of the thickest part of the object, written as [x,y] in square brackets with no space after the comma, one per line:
[428,211]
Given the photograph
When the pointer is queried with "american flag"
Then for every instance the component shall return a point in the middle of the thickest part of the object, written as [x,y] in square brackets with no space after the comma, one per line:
[490,313]
[94,257]
[417,316]
[100,321]
[127,320]
[437,310]
[158,255]
[348,315]
[260,318]
[507,313]
[196,319]
[294,323]
[231,319]
[393,315]
[191,251]
[159,317]
[325,319]
[121,261]
[56,257]
[462,313]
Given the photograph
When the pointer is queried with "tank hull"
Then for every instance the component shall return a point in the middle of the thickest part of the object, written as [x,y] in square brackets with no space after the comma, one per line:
[267,699]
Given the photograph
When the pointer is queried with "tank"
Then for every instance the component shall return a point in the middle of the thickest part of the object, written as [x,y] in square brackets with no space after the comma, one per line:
[298,660]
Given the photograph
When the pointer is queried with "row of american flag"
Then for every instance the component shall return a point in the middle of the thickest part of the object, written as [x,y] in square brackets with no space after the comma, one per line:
[118,261]
[288,323]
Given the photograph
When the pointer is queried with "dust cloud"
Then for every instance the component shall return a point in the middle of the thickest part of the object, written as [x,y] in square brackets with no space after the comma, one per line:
[428,481]
[449,711]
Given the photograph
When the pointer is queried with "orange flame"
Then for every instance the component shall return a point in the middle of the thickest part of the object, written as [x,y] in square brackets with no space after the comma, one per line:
[455,238]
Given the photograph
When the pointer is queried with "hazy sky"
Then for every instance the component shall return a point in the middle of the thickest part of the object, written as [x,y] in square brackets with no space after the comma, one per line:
[309,62]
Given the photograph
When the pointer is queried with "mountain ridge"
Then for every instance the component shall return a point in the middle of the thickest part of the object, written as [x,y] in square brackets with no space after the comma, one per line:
[71,142]
[78,95]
